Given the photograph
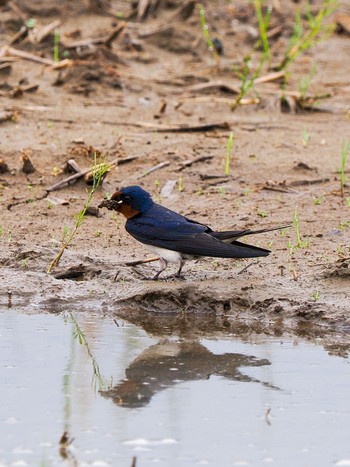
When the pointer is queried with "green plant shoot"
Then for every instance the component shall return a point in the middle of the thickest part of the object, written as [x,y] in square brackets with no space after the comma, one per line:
[300,243]
[263,21]
[56,39]
[315,31]
[205,30]
[345,148]
[228,154]
[98,170]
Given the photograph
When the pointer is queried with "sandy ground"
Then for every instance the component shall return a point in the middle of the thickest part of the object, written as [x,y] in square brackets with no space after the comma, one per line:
[125,101]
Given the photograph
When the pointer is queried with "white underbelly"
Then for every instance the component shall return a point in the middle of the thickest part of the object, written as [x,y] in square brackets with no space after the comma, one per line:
[169,255]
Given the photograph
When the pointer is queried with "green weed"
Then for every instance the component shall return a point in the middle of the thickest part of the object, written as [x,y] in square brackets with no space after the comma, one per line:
[263,21]
[221,190]
[56,40]
[345,148]
[24,263]
[300,243]
[206,34]
[98,170]
[315,295]
[180,184]
[30,23]
[228,154]
[318,200]
[247,78]
[305,137]
[316,30]
[344,225]
[305,83]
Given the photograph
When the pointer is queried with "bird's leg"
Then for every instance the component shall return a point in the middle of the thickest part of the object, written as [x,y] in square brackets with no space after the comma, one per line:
[178,274]
[162,266]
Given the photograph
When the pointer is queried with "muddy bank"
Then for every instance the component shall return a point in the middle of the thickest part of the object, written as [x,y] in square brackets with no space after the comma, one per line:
[256,294]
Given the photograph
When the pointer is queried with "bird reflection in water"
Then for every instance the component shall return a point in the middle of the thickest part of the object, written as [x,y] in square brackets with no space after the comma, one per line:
[169,363]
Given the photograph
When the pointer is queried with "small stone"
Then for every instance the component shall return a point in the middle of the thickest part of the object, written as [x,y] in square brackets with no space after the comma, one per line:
[27,167]
[3,166]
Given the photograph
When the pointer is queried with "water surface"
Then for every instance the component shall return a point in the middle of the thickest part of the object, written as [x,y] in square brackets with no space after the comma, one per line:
[121,394]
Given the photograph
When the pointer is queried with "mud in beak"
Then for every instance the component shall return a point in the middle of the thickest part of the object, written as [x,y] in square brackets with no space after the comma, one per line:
[111,204]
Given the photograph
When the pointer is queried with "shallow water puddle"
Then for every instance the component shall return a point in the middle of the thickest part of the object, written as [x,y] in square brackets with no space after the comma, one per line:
[209,402]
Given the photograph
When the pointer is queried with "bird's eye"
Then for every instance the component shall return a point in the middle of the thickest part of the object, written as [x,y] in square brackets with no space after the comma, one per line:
[127,198]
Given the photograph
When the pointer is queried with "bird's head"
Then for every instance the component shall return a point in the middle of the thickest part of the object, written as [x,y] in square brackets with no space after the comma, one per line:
[130,201]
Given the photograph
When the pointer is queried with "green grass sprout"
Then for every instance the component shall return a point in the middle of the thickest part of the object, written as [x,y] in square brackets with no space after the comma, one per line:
[304,83]
[305,137]
[228,154]
[30,23]
[99,169]
[206,34]
[345,148]
[263,21]
[316,30]
[300,243]
[56,40]
[247,78]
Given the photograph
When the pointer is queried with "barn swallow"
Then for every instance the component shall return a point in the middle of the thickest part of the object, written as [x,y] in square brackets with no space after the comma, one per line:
[173,237]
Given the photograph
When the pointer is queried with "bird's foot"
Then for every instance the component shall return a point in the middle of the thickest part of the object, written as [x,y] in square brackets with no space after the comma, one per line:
[156,276]
[180,276]
[175,276]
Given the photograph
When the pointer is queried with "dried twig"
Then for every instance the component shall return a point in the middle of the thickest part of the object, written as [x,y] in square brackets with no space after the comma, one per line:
[217,85]
[6,115]
[11,51]
[38,35]
[13,5]
[22,31]
[105,40]
[219,100]
[180,14]
[183,127]
[141,261]
[246,267]
[19,90]
[75,177]
[153,169]
[270,77]
[190,162]
[309,182]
